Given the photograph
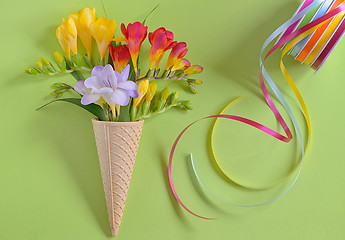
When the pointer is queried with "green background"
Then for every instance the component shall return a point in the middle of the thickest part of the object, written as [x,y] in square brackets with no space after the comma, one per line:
[50,182]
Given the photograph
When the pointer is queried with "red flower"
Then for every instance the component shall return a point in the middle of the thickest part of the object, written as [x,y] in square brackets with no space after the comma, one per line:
[161,41]
[135,34]
[120,56]
[176,54]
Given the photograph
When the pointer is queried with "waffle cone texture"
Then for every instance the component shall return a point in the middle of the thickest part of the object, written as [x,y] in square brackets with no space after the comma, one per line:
[117,145]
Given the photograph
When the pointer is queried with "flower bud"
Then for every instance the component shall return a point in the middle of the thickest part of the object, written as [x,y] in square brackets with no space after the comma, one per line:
[45,61]
[186,105]
[151,91]
[174,97]
[145,107]
[160,105]
[58,57]
[192,88]
[142,89]
[198,82]
[31,71]
[165,94]
[195,69]
[39,64]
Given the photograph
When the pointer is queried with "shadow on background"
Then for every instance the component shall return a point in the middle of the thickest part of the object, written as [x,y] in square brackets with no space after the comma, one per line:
[60,126]
[178,209]
[241,62]
[201,191]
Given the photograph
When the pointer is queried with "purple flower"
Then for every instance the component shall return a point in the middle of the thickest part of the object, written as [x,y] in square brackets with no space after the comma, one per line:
[108,84]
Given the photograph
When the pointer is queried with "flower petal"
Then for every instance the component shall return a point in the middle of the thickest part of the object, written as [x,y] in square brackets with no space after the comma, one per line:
[89,98]
[127,85]
[96,70]
[106,98]
[102,91]
[108,75]
[80,88]
[125,72]
[119,39]
[133,93]
[120,97]
[120,56]
[119,77]
[124,30]
[94,82]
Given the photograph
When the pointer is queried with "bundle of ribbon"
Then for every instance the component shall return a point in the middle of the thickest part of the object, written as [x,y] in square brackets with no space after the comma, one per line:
[310,36]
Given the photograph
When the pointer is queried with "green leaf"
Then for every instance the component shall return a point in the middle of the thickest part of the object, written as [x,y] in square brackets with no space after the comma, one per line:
[77,75]
[105,12]
[88,62]
[92,108]
[124,114]
[144,21]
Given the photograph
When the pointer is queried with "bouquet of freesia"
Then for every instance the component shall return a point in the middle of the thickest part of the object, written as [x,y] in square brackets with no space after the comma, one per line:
[114,89]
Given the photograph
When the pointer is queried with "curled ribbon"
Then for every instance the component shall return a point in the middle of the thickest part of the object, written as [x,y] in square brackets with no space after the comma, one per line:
[312,44]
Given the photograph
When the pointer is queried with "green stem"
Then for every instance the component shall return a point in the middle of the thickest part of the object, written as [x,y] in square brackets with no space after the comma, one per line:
[132,114]
[160,78]
[66,71]
[155,113]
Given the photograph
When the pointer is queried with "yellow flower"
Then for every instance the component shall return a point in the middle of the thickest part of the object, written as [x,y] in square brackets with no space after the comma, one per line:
[83,20]
[151,91]
[66,33]
[143,86]
[103,31]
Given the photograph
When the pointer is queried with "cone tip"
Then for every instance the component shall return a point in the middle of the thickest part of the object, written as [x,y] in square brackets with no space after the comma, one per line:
[114,231]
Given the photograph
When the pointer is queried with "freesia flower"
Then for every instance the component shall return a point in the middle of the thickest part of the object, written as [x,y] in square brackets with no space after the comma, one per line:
[177,53]
[66,34]
[143,86]
[195,69]
[120,56]
[109,85]
[103,31]
[83,20]
[181,64]
[134,35]
[83,90]
[161,41]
